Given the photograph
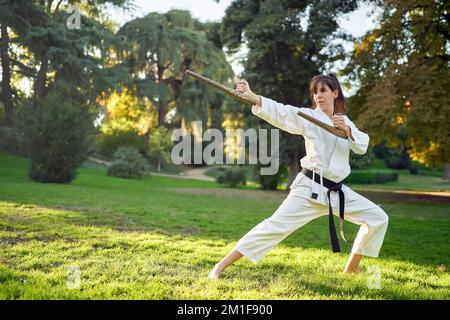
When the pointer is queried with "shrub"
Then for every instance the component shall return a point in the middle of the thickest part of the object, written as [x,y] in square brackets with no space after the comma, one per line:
[159,146]
[270,182]
[367,177]
[359,161]
[232,176]
[413,168]
[57,136]
[397,161]
[11,141]
[118,133]
[128,163]
[395,158]
[215,172]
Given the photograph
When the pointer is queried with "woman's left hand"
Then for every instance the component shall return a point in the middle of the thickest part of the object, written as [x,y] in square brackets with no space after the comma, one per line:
[338,122]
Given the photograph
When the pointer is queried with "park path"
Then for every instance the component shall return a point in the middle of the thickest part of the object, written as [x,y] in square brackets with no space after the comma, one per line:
[197,173]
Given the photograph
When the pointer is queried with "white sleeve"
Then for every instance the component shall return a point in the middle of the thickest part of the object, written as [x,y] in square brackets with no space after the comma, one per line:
[361,140]
[281,116]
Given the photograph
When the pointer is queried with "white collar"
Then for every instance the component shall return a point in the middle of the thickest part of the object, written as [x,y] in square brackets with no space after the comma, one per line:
[323,115]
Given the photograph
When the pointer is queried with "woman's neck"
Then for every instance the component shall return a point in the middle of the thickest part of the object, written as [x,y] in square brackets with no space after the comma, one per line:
[328,112]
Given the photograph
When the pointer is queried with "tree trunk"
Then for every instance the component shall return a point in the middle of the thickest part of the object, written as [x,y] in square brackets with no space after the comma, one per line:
[447,171]
[161,110]
[159,163]
[161,103]
[293,168]
[6,76]
[39,85]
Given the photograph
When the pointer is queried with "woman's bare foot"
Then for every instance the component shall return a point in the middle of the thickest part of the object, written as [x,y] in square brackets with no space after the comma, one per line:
[352,265]
[352,270]
[215,273]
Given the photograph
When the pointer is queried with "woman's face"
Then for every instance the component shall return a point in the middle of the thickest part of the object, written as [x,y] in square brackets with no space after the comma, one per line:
[324,97]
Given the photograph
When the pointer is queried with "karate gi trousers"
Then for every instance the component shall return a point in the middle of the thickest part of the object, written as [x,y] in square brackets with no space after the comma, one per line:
[299,208]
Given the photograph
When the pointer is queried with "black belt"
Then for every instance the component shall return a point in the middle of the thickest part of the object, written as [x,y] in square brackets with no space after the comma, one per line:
[336,187]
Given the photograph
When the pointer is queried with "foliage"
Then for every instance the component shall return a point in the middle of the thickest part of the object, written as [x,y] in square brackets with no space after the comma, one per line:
[58,136]
[118,133]
[128,163]
[127,120]
[124,104]
[359,161]
[57,57]
[269,182]
[402,66]
[159,49]
[232,176]
[370,177]
[159,146]
[397,159]
[215,171]
[288,43]
[12,141]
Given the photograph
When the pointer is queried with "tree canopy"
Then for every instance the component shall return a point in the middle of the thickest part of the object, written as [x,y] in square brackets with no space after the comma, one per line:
[402,67]
[288,43]
[159,48]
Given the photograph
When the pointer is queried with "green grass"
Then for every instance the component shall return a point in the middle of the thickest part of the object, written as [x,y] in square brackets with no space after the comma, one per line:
[424,181]
[138,239]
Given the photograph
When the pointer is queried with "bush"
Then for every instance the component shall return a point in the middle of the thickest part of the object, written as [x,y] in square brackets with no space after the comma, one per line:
[232,177]
[128,163]
[57,136]
[360,161]
[371,177]
[118,133]
[159,146]
[395,158]
[270,182]
[11,141]
[397,161]
[215,172]
[413,169]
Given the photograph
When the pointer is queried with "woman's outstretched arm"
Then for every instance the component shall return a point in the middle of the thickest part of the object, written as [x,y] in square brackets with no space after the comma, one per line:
[279,115]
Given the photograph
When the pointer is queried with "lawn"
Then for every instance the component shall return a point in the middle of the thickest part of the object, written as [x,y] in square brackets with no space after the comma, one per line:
[424,181]
[139,239]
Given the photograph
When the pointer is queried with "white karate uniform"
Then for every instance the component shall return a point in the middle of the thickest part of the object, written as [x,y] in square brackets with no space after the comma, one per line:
[327,156]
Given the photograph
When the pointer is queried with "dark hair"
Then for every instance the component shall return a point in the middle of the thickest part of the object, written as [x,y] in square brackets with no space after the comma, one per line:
[332,82]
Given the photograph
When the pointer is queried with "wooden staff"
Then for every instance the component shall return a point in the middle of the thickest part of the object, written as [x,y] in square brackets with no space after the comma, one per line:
[239,96]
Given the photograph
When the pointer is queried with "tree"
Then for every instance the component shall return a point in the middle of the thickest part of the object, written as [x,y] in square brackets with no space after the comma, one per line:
[58,138]
[127,122]
[288,43]
[76,62]
[6,97]
[159,145]
[160,48]
[403,70]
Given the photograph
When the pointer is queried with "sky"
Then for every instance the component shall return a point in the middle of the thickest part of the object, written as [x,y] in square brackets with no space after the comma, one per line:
[357,23]
[204,10]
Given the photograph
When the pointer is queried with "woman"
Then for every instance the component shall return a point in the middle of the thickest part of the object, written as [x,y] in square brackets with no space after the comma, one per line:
[318,186]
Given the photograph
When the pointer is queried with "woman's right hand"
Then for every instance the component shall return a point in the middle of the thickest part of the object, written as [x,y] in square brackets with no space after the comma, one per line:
[244,88]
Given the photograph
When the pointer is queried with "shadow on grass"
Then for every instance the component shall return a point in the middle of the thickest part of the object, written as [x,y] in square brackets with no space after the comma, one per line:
[419,245]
